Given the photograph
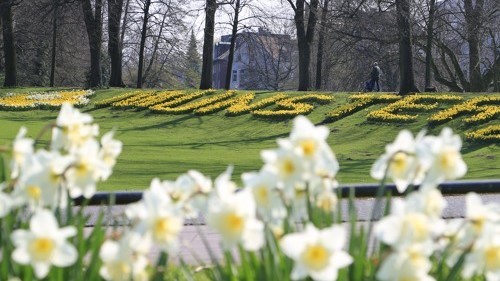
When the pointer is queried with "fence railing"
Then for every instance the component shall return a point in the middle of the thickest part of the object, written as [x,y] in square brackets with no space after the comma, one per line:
[360,191]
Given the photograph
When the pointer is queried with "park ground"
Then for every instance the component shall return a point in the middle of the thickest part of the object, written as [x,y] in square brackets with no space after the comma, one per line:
[165,146]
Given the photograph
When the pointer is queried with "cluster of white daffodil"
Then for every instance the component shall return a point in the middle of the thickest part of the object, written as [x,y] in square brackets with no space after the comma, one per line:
[415,231]
[302,166]
[296,177]
[44,179]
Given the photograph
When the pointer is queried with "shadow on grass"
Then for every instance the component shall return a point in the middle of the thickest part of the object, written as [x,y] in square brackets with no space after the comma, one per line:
[356,170]
[228,143]
[168,124]
[30,118]
[471,147]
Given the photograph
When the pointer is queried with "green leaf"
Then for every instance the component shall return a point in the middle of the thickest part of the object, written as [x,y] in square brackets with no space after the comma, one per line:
[160,268]
[95,241]
[455,270]
[3,169]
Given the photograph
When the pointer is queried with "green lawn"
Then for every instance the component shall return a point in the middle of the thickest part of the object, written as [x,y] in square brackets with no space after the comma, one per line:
[165,146]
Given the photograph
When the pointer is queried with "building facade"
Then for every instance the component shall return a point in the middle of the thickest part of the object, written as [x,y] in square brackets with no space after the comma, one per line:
[262,60]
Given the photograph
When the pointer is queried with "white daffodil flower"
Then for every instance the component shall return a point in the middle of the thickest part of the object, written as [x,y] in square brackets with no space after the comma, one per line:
[316,253]
[287,164]
[233,216]
[189,192]
[44,244]
[21,149]
[411,263]
[41,183]
[479,215]
[452,240]
[427,200]
[156,218]
[263,186]
[327,201]
[484,258]
[309,142]
[6,203]
[441,157]
[404,227]
[110,149]
[86,170]
[224,187]
[399,161]
[121,262]
[73,128]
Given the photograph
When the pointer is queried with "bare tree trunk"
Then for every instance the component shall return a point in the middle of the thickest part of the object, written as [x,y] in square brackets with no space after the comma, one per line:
[232,46]
[208,48]
[9,47]
[321,40]
[143,43]
[473,19]
[124,25]
[407,79]
[304,38]
[54,45]
[495,68]
[114,44]
[428,47]
[93,23]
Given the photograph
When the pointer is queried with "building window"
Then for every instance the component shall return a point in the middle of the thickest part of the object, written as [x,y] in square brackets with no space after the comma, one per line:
[235,75]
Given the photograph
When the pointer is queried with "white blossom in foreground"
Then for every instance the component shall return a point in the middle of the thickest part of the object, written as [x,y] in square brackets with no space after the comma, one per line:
[42,181]
[288,166]
[5,202]
[44,244]
[234,216]
[479,216]
[86,170]
[327,201]
[404,227]
[399,161]
[484,258]
[73,128]
[441,157]
[427,200]
[21,149]
[191,191]
[156,218]
[310,142]
[411,263]
[121,262]
[110,149]
[317,253]
[263,188]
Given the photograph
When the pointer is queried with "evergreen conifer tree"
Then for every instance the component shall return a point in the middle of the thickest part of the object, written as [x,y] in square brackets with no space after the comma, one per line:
[193,64]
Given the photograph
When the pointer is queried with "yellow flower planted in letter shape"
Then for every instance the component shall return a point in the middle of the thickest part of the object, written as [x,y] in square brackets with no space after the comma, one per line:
[45,100]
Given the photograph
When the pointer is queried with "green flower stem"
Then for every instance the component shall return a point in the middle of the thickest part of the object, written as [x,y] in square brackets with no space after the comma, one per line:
[161,266]
[3,169]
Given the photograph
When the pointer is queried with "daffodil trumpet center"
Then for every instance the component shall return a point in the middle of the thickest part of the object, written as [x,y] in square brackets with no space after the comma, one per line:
[316,257]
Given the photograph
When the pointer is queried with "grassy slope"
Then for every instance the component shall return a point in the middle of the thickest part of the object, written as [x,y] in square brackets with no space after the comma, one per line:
[167,145]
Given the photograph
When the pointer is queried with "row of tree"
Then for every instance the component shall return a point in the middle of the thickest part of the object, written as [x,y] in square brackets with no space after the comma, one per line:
[61,42]
[476,22]
[151,43]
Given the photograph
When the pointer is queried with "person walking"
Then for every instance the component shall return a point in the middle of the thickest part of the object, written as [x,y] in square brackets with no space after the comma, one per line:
[375,77]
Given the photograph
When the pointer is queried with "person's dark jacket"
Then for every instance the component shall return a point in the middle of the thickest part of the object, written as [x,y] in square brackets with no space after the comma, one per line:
[375,75]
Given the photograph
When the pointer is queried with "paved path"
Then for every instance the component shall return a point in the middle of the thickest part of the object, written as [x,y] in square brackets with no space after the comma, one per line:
[193,250]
